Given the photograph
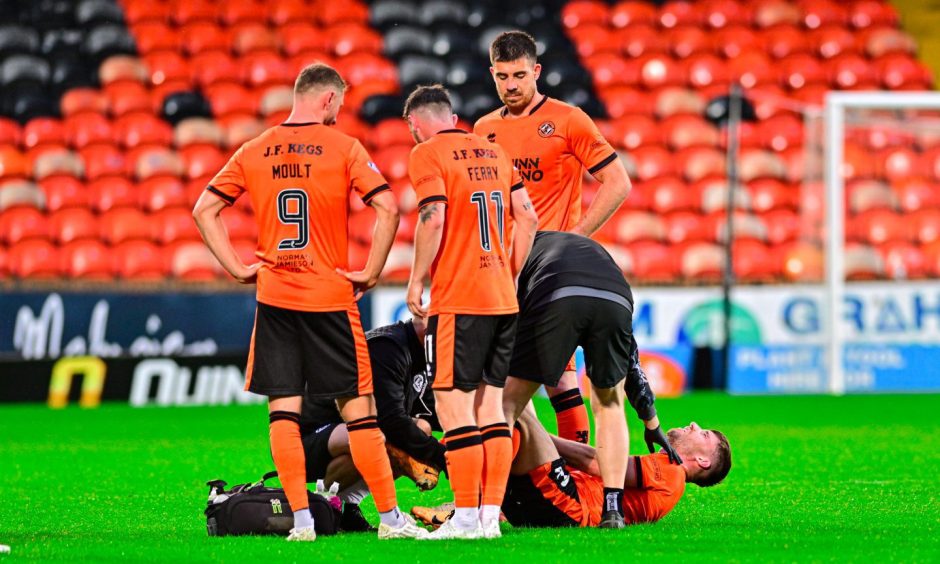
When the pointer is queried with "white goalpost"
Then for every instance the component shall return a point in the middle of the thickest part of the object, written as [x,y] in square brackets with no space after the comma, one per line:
[836,107]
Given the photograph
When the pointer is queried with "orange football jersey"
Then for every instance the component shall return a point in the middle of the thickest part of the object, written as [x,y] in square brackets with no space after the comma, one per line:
[659,485]
[551,146]
[298,177]
[471,273]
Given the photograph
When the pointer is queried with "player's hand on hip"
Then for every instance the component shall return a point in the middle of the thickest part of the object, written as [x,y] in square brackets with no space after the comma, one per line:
[413,299]
[362,281]
[656,436]
[247,274]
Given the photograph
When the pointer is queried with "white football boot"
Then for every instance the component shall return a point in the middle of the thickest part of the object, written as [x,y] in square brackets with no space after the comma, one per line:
[307,534]
[450,531]
[409,530]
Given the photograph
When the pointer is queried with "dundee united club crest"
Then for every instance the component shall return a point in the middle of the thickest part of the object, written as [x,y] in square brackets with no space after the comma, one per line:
[546,129]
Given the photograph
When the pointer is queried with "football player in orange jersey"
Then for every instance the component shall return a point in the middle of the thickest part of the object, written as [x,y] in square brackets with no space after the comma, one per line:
[467,191]
[552,143]
[307,336]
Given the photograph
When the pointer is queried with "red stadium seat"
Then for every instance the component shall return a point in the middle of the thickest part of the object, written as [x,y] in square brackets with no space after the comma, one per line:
[42,131]
[240,131]
[158,162]
[161,192]
[360,225]
[593,38]
[640,40]
[103,160]
[199,37]
[112,192]
[73,224]
[769,194]
[197,131]
[702,262]
[329,13]
[685,41]
[929,164]
[124,224]
[802,262]
[632,13]
[193,261]
[697,163]
[654,262]
[584,12]
[128,97]
[769,13]
[390,132]
[753,261]
[686,226]
[146,11]
[849,71]
[882,41]
[924,226]
[136,130]
[393,161]
[705,70]
[673,14]
[781,132]
[306,58]
[755,163]
[87,128]
[671,101]
[683,131]
[658,70]
[155,37]
[246,249]
[831,40]
[227,98]
[265,69]
[288,11]
[79,100]
[916,193]
[21,223]
[214,67]
[625,100]
[608,70]
[64,192]
[713,195]
[669,194]
[253,37]
[139,260]
[800,70]
[302,36]
[867,13]
[240,225]
[876,227]
[406,228]
[231,13]
[348,38]
[896,163]
[785,40]
[652,162]
[734,40]
[10,132]
[167,66]
[817,13]
[398,266]
[721,13]
[638,226]
[35,258]
[174,224]
[122,68]
[202,160]
[187,11]
[635,131]
[363,67]
[899,71]
[903,260]
[751,69]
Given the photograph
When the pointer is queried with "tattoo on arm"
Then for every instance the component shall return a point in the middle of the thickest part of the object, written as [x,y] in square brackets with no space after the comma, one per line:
[427,212]
[527,206]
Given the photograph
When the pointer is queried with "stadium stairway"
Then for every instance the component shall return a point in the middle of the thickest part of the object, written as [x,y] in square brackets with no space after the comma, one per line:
[106,152]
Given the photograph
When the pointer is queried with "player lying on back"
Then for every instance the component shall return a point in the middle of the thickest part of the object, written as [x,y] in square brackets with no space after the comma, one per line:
[555,482]
[402,394]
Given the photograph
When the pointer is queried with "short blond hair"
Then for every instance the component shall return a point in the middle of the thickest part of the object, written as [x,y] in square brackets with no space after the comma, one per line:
[317,76]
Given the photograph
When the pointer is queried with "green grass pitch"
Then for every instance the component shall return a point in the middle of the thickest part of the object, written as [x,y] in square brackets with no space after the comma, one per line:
[814,478]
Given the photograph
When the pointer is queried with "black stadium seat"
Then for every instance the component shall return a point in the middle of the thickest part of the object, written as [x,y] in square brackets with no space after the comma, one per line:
[48,14]
[71,71]
[407,40]
[16,40]
[451,40]
[178,106]
[95,12]
[18,69]
[377,108]
[442,12]
[24,102]
[467,70]
[416,69]
[59,42]
[386,14]
[107,40]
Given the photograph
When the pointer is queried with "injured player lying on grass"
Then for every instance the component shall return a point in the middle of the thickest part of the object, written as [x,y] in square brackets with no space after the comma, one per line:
[555,482]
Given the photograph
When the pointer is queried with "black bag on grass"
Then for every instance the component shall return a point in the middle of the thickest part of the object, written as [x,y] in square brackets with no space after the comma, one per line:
[255,509]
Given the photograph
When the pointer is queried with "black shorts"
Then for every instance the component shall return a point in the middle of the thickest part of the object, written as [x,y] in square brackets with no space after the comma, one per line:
[317,450]
[525,505]
[465,350]
[548,335]
[322,354]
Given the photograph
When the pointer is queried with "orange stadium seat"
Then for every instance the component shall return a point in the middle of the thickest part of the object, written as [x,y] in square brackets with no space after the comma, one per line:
[79,100]
[188,11]
[900,71]
[246,250]
[303,36]
[265,69]
[398,266]
[10,132]
[916,193]
[173,224]
[672,14]
[683,131]
[362,67]
[735,40]
[877,227]
[329,13]
[87,128]
[592,38]
[754,261]
[21,223]
[227,98]
[850,71]
[654,262]
[652,162]
[751,69]
[136,130]
[685,41]
[156,36]
[73,224]
[769,194]
[197,131]
[669,194]
[240,225]
[625,100]
[13,163]
[671,100]
[784,40]
[584,12]
[35,258]
[253,37]
[166,67]
[635,226]
[64,192]
[348,38]
[41,131]
[832,40]
[193,261]
[867,13]
[199,37]
[288,11]
[139,260]
[698,163]
[390,132]
[924,226]
[406,228]
[138,11]
[800,70]
[241,130]
[157,162]
[103,160]
[111,192]
[802,262]
[817,13]
[632,13]
[903,260]
[704,70]
[633,131]
[123,224]
[161,192]
[128,97]
[202,160]
[640,40]
[658,70]
[686,226]
[702,262]
[231,13]
[769,13]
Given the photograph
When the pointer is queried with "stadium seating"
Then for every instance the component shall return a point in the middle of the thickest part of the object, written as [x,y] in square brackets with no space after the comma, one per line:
[115,114]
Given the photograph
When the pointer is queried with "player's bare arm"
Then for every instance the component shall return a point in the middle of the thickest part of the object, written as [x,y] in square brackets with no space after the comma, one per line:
[615,187]
[383,235]
[428,234]
[526,222]
[208,216]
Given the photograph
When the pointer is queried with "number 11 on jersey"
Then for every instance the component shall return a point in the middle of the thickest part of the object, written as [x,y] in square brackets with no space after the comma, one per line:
[483,215]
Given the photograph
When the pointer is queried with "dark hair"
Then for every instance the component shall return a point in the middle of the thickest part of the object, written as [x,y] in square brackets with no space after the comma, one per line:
[512,45]
[318,75]
[721,463]
[434,95]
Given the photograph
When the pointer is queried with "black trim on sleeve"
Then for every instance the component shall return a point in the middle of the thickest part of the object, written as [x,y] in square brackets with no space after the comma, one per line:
[518,186]
[596,168]
[373,193]
[453,131]
[431,200]
[225,197]
[300,124]
[639,472]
